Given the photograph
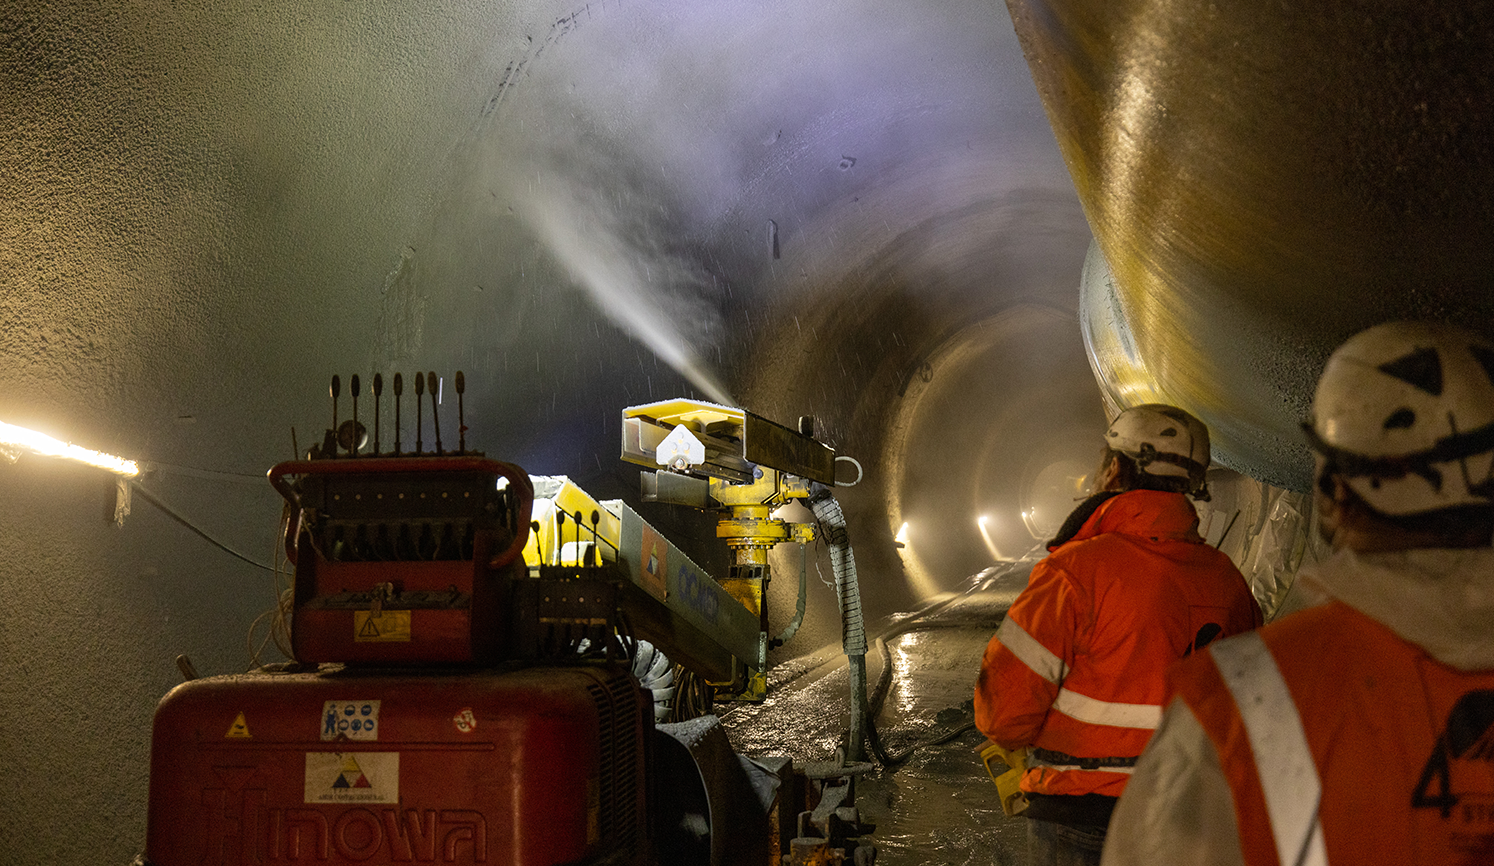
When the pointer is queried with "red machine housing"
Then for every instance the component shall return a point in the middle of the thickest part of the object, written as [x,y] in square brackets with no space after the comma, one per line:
[404,560]
[534,767]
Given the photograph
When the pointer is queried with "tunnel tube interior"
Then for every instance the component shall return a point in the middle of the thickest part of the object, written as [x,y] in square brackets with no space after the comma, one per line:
[855,209]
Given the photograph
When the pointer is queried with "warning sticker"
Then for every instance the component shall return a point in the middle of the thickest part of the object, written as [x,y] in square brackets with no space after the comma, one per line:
[353,720]
[239,730]
[352,777]
[390,626]
[653,564]
[465,720]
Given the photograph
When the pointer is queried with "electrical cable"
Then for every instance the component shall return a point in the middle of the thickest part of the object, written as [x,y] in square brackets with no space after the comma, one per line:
[279,616]
[793,627]
[208,474]
[890,760]
[174,515]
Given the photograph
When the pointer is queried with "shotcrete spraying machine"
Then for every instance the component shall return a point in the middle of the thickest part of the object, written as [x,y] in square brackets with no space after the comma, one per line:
[494,667]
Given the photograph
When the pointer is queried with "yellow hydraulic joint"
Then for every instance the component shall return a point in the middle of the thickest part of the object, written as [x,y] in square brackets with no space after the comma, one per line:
[750,530]
[729,460]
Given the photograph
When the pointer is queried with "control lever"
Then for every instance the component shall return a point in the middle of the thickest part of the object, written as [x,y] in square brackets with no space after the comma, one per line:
[461,386]
[419,408]
[357,438]
[378,389]
[336,392]
[432,384]
[399,388]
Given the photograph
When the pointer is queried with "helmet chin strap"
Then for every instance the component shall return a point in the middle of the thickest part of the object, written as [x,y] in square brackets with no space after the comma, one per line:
[1454,447]
[1147,454]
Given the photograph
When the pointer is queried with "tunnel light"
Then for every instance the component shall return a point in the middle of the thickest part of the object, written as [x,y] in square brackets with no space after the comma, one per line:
[985,535]
[902,534]
[1029,519]
[14,439]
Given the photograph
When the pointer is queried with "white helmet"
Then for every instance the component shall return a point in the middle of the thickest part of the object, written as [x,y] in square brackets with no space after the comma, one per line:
[1163,440]
[1404,413]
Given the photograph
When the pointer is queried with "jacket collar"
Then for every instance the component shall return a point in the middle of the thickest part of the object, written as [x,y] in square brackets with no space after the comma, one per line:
[1150,514]
[1440,600]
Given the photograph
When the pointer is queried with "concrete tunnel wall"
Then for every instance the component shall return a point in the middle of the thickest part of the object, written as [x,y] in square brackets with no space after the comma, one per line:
[853,210]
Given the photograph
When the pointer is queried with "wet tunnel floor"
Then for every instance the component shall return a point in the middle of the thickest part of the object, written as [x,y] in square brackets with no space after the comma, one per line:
[938,806]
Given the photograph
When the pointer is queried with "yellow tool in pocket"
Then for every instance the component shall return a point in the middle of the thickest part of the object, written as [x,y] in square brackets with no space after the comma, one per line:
[1008,784]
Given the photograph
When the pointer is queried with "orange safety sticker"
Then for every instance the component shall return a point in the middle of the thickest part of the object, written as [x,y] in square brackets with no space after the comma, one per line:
[389,626]
[239,730]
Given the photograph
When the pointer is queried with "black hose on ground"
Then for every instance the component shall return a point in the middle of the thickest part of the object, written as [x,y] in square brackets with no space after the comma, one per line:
[917,622]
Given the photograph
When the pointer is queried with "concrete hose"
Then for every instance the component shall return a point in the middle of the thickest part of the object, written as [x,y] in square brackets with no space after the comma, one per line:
[655,672]
[852,627]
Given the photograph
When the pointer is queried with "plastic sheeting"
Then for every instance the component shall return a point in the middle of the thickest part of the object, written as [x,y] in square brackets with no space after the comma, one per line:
[1269,533]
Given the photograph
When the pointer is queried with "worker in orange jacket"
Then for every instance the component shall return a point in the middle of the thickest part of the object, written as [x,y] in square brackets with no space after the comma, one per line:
[1075,671]
[1360,731]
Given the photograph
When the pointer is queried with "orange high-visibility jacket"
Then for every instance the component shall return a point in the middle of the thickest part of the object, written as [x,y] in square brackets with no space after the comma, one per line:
[1076,668]
[1343,743]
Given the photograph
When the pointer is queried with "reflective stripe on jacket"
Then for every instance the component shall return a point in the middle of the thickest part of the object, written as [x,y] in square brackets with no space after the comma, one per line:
[1343,743]
[1077,665]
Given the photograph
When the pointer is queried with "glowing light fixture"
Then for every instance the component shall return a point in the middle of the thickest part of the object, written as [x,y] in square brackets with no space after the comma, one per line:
[902,534]
[985,535]
[13,438]
[1029,518]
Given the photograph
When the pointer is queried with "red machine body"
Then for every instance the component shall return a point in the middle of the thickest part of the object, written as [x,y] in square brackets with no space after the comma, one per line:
[533,767]
[444,704]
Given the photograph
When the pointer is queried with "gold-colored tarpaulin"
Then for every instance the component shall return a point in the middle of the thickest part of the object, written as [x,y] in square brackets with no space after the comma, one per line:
[1264,179]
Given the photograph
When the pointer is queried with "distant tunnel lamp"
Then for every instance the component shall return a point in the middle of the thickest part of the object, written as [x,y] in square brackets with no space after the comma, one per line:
[13,440]
[985,535]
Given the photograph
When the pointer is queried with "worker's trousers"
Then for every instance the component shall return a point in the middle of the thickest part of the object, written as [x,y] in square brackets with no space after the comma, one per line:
[1050,844]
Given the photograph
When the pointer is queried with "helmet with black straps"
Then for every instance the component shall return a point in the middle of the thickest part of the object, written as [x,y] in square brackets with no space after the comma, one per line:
[1163,440]
[1404,413]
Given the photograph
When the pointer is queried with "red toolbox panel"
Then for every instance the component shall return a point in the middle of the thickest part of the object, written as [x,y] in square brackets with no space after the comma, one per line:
[403,560]
[533,767]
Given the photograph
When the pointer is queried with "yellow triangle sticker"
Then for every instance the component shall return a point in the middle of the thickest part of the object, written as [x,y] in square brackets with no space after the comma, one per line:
[239,730]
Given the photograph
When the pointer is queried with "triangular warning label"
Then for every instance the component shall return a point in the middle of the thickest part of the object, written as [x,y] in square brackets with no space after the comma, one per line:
[342,782]
[1422,369]
[369,629]
[238,730]
[362,782]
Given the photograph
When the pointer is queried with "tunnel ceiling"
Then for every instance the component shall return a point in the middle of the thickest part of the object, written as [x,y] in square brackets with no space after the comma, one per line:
[210,210]
[796,208]
[793,207]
